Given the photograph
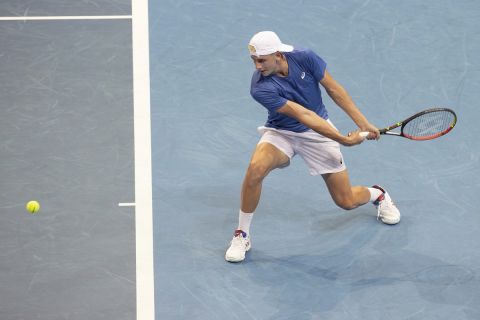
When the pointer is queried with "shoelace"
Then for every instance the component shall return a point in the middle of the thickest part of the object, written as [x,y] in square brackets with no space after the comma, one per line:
[384,204]
[239,241]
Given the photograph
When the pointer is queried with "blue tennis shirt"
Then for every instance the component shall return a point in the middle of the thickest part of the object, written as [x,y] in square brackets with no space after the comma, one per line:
[305,70]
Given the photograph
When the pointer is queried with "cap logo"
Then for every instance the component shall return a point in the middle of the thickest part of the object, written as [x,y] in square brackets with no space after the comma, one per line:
[252,50]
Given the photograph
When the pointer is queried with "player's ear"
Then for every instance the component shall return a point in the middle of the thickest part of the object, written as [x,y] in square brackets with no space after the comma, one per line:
[278,55]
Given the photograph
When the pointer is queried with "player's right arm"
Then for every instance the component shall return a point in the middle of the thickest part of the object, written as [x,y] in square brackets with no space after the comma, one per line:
[318,124]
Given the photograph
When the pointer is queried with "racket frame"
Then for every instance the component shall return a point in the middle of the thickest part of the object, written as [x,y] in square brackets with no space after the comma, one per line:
[402,124]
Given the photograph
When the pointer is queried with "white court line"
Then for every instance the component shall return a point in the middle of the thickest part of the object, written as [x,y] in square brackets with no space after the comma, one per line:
[26,18]
[143,162]
[142,141]
[126,204]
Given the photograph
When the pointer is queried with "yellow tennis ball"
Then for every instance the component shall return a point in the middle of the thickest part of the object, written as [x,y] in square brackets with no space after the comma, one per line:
[32,206]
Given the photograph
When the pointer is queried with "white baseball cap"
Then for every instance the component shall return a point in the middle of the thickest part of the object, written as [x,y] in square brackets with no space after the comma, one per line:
[265,43]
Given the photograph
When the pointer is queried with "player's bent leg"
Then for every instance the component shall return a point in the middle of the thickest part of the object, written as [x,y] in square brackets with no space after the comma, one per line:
[265,158]
[343,194]
[348,197]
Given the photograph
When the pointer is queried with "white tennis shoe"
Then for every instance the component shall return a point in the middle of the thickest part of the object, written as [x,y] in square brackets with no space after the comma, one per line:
[387,211]
[239,245]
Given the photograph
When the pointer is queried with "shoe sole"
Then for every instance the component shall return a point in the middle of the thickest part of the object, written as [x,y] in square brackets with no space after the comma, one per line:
[390,222]
[228,259]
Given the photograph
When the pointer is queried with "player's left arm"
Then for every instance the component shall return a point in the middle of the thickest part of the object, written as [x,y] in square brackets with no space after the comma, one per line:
[341,97]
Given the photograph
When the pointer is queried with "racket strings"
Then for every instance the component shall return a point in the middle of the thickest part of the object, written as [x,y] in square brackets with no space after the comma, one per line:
[429,125]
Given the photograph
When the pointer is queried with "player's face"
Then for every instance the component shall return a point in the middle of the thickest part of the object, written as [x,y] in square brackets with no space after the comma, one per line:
[266,65]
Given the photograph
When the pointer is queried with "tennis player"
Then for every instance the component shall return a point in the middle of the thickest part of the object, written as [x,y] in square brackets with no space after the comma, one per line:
[285,82]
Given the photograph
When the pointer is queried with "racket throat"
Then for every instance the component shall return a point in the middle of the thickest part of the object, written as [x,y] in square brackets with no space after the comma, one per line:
[392,133]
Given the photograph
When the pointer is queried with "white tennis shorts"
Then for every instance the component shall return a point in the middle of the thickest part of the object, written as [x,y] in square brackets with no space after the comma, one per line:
[321,154]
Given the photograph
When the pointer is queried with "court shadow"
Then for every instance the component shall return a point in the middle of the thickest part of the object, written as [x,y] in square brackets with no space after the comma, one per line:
[313,286]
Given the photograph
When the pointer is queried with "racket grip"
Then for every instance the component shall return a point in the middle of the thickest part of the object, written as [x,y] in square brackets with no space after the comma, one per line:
[364,134]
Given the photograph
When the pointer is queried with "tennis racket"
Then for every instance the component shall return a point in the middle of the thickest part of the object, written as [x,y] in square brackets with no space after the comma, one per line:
[425,125]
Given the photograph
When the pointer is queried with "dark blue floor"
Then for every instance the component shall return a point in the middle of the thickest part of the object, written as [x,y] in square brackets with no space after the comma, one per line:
[310,259]
[66,128]
[15,8]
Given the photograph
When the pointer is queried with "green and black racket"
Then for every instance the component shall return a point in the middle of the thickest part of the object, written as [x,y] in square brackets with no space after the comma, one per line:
[425,125]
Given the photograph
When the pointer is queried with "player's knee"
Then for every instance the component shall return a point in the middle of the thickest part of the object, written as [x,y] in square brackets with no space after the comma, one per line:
[257,171]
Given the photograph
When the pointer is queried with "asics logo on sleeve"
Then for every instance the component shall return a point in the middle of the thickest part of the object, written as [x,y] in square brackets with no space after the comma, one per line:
[303,75]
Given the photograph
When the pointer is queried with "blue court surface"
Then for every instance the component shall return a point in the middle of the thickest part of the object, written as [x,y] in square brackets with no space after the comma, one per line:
[310,259]
[135,138]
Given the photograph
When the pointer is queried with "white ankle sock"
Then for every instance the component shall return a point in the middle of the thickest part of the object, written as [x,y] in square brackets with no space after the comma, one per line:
[244,221]
[374,194]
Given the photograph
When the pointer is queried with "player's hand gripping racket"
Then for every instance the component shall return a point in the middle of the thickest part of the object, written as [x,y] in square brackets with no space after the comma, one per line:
[426,125]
